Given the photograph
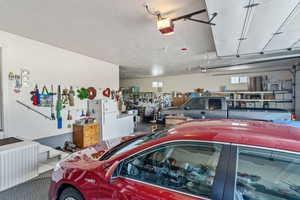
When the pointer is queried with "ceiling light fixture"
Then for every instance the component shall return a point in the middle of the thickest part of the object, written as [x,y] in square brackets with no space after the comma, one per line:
[184,49]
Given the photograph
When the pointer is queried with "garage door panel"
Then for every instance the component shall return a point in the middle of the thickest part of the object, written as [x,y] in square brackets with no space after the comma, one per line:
[229,23]
[288,33]
[265,19]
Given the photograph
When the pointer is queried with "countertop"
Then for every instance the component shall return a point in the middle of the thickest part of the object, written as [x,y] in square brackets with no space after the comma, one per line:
[124,116]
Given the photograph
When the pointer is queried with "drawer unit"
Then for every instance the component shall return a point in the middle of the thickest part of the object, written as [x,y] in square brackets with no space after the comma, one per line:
[86,135]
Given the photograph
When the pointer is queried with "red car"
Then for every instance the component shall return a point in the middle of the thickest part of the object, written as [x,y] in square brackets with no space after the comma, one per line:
[204,159]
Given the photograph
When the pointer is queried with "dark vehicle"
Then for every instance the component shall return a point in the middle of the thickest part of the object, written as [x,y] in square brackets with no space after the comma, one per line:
[216,108]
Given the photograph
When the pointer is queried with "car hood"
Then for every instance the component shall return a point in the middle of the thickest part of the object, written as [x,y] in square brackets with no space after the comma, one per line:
[170,111]
[172,108]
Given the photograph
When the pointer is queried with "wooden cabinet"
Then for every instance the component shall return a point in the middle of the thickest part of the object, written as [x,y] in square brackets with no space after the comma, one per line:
[86,135]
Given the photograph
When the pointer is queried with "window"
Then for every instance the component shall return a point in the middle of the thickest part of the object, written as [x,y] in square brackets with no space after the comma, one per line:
[196,103]
[243,79]
[267,175]
[215,104]
[239,79]
[188,168]
[157,84]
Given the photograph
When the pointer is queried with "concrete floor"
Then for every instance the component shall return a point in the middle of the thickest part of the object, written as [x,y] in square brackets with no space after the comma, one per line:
[35,189]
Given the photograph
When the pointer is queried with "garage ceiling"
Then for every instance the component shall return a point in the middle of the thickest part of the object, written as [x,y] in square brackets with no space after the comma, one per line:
[254,26]
[117,31]
[122,32]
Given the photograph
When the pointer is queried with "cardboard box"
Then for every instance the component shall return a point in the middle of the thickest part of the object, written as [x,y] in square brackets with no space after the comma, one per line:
[178,101]
[173,120]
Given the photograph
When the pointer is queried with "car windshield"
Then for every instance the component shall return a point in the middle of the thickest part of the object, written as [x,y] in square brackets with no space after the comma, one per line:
[131,144]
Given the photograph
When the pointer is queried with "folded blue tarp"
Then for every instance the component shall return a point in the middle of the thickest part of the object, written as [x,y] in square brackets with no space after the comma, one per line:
[290,123]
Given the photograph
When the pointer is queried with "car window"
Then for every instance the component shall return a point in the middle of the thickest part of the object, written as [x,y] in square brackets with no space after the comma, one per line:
[196,103]
[267,175]
[215,104]
[131,144]
[188,168]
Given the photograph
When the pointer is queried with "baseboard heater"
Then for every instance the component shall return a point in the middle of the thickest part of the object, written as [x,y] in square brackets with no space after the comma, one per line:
[18,162]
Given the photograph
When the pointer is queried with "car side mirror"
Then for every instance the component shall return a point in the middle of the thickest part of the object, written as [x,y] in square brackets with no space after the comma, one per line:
[109,174]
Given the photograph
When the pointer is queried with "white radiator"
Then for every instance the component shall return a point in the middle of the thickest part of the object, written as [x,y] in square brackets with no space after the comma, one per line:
[18,163]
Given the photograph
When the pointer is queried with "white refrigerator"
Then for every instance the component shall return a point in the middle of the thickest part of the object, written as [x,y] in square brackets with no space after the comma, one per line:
[112,124]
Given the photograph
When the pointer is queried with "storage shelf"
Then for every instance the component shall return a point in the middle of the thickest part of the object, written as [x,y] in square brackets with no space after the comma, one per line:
[259,100]
[254,92]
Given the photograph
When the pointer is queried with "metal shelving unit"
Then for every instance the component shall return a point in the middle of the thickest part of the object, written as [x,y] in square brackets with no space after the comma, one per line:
[259,99]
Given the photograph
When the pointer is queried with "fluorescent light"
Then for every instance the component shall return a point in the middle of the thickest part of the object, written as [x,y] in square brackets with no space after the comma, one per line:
[157,70]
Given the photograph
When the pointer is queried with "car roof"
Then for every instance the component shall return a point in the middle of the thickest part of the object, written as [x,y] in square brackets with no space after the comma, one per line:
[244,132]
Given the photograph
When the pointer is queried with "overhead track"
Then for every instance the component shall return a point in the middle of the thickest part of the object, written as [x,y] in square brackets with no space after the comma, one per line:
[252,72]
[189,17]
[254,62]
[222,66]
[184,17]
[294,44]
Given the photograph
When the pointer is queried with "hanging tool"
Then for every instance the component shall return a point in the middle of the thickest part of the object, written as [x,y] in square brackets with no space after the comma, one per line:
[88,113]
[32,109]
[35,96]
[59,107]
[65,96]
[82,114]
[45,90]
[71,97]
[38,95]
[69,118]
[45,98]
[52,104]
[113,94]
[69,115]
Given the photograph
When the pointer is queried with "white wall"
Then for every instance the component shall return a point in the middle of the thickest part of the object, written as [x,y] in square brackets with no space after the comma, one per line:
[47,65]
[184,83]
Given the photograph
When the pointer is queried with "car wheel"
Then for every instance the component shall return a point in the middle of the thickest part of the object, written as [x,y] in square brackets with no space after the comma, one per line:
[70,194]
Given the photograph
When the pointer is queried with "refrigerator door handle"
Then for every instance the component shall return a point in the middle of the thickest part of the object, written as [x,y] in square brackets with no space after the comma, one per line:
[103,113]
